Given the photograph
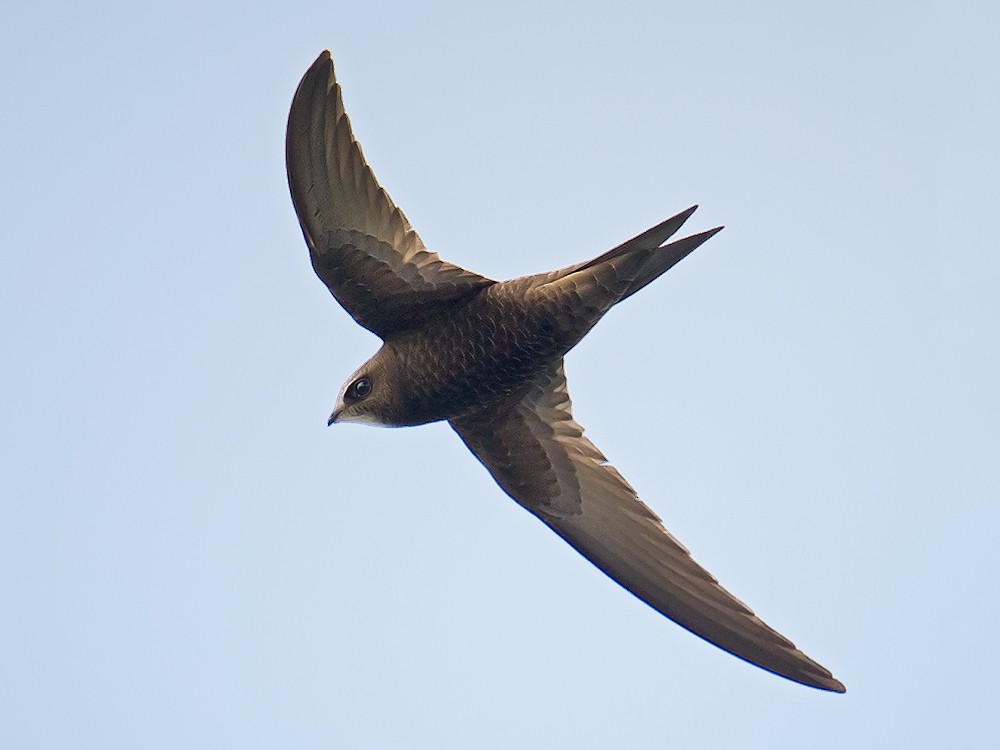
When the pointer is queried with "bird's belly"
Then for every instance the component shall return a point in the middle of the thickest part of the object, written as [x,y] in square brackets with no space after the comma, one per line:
[465,362]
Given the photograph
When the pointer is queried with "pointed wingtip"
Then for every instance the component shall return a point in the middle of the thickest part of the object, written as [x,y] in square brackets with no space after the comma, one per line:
[324,62]
[816,676]
[830,684]
[323,57]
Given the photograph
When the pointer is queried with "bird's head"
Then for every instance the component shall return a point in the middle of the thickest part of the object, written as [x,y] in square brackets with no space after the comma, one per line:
[371,394]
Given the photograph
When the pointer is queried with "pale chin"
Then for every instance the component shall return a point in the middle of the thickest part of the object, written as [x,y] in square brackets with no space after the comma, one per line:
[363,418]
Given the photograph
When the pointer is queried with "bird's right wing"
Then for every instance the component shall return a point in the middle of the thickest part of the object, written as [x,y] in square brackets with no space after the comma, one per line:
[361,244]
[537,453]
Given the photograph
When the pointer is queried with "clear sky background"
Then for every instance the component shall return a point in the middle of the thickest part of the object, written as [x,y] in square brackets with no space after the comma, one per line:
[190,558]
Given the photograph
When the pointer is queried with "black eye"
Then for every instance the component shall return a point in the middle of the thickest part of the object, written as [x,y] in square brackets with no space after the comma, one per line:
[359,389]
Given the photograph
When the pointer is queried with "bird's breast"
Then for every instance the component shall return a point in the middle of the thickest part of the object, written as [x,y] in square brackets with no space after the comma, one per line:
[477,353]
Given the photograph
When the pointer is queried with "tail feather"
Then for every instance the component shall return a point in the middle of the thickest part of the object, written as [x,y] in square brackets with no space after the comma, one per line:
[622,271]
[648,240]
[585,292]
[662,259]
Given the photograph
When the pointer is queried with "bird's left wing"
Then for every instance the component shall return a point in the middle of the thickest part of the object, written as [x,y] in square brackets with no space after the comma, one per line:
[362,246]
[537,453]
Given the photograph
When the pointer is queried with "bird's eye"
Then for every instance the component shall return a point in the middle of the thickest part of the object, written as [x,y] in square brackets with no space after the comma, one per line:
[359,389]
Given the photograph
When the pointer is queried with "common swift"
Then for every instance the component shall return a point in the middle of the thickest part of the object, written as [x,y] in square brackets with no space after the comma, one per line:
[487,356]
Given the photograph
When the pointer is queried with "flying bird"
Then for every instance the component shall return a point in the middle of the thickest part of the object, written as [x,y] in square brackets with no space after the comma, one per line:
[487,356]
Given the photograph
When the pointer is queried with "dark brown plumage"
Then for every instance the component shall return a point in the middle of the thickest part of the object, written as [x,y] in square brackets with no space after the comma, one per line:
[487,357]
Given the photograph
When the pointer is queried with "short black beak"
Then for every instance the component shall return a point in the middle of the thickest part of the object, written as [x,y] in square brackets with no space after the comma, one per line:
[333,417]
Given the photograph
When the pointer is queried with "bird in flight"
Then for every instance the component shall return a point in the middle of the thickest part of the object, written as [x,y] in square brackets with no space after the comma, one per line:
[487,356]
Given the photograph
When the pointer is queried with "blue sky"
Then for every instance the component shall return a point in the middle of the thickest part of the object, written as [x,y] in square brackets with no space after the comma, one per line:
[189,557]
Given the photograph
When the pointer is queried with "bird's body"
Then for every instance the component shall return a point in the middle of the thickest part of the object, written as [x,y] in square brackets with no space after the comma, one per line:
[483,350]
[487,357]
